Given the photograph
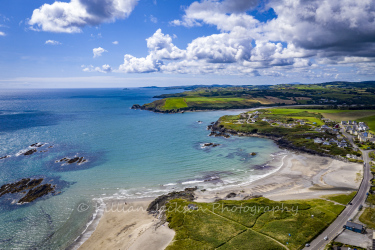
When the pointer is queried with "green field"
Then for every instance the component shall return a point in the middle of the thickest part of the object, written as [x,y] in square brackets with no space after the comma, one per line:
[295,110]
[368,217]
[367,116]
[370,121]
[341,198]
[251,224]
[174,103]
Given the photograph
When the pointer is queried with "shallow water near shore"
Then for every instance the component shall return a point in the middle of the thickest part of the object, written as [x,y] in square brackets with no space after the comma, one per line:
[131,154]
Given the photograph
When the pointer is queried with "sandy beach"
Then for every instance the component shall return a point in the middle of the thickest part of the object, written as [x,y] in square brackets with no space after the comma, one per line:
[301,176]
[127,225]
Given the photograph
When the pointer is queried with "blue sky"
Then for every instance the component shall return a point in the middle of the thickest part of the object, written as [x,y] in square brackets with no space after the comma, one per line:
[165,42]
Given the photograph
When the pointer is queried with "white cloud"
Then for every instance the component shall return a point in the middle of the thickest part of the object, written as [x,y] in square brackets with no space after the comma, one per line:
[72,16]
[98,51]
[161,47]
[2,33]
[52,42]
[302,39]
[153,19]
[115,42]
[104,69]
[139,65]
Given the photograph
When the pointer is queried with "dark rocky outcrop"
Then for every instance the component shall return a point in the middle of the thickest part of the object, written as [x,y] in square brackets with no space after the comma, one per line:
[136,106]
[160,202]
[36,190]
[37,145]
[78,160]
[4,157]
[210,144]
[30,152]
[253,153]
[231,195]
[19,186]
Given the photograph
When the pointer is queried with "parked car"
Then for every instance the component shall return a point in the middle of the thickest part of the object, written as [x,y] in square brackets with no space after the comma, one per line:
[326,238]
[307,245]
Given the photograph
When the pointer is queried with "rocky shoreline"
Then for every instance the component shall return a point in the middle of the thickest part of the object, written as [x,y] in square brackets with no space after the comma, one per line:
[187,109]
[219,130]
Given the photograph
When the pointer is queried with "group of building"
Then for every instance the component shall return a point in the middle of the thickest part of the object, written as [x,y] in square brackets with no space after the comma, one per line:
[359,129]
[340,143]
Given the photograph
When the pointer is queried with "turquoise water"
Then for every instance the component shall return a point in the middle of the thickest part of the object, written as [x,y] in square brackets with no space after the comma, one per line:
[131,154]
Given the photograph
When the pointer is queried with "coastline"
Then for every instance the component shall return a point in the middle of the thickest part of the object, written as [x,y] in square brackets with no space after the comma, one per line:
[297,176]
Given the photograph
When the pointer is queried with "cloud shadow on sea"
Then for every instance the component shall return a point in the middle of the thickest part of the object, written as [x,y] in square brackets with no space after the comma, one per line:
[11,121]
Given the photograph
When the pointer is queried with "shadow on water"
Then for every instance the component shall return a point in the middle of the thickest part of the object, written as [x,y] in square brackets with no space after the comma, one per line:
[13,121]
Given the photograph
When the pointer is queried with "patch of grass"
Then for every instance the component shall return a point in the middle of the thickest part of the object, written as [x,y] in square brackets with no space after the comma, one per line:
[368,217]
[252,224]
[310,119]
[370,121]
[350,115]
[251,240]
[341,198]
[174,103]
[213,99]
[371,198]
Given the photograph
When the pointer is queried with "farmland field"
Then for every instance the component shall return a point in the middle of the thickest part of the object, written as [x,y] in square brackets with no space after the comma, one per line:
[257,223]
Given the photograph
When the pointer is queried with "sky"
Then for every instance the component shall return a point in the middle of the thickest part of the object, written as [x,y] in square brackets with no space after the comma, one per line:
[134,43]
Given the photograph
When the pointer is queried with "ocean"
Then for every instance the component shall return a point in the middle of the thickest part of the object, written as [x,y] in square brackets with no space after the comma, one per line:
[130,154]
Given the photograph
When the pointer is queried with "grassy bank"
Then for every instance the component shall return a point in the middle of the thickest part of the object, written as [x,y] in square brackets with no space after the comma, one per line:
[368,217]
[341,198]
[252,224]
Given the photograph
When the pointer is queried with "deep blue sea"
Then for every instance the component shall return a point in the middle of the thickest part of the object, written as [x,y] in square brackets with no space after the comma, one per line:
[131,154]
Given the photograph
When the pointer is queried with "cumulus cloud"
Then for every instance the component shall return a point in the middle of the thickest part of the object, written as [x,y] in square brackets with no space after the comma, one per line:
[140,65]
[115,42]
[103,69]
[98,51]
[2,33]
[303,37]
[52,42]
[161,47]
[72,16]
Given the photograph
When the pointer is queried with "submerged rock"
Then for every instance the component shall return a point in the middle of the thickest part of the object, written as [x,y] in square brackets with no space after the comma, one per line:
[19,186]
[253,153]
[78,160]
[210,144]
[36,190]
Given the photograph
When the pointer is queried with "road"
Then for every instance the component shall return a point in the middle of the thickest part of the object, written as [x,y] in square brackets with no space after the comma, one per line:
[337,225]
